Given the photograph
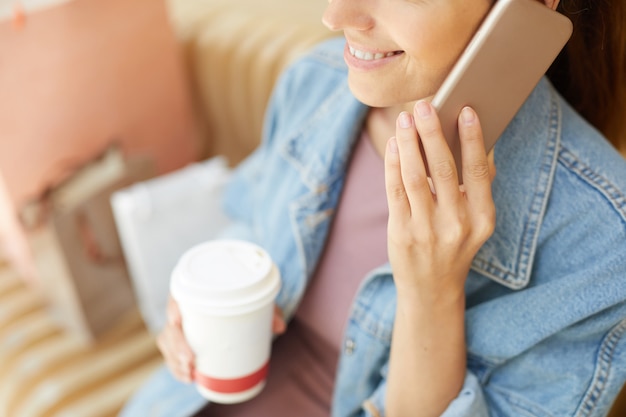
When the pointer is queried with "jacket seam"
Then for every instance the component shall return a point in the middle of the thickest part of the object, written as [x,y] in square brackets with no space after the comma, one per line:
[530,236]
[612,194]
[518,277]
[289,147]
[602,370]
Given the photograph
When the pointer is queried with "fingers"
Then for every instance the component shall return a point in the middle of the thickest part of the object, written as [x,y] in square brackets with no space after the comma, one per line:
[278,322]
[492,165]
[478,170]
[173,312]
[406,182]
[474,157]
[177,353]
[433,235]
[439,158]
[396,196]
[408,193]
[174,347]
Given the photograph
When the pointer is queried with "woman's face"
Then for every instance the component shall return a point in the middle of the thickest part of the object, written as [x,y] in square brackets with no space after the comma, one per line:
[399,51]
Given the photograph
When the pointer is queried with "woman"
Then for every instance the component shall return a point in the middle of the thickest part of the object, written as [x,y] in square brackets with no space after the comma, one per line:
[408,296]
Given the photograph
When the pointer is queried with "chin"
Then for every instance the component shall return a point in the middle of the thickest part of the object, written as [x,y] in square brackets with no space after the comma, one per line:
[374,94]
[372,97]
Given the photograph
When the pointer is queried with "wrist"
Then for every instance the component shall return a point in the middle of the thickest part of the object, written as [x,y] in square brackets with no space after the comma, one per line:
[431,299]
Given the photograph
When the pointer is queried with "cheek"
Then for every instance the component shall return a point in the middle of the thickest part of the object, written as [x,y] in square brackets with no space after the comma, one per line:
[418,73]
[432,43]
[427,63]
[433,47]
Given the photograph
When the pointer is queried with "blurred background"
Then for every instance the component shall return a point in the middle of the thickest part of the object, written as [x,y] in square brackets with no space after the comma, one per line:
[98,96]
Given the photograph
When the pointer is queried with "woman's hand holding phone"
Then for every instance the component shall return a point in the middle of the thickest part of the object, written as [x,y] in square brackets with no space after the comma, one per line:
[433,235]
[436,229]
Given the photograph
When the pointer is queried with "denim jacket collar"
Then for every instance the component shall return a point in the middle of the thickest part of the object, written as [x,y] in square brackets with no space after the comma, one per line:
[320,154]
[527,154]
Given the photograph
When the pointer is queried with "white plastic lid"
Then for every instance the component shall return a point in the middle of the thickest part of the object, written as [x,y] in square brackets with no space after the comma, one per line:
[224,277]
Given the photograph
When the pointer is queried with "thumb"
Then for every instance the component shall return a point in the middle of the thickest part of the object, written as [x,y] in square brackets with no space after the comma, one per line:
[173,313]
[278,322]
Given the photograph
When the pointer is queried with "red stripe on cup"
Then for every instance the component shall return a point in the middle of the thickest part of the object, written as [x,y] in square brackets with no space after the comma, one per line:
[235,385]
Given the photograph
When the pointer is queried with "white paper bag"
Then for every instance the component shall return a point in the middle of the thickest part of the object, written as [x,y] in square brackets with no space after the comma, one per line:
[159,219]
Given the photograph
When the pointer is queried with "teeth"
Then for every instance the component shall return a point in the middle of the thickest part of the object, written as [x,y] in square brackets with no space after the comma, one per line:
[368,56]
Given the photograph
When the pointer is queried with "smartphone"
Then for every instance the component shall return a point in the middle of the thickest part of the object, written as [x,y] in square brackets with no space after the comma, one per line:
[512,49]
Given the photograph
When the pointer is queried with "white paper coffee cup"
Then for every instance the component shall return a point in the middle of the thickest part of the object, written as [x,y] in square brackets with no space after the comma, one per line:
[225,290]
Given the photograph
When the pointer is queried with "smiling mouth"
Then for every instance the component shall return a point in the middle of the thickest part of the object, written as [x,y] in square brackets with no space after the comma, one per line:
[370,56]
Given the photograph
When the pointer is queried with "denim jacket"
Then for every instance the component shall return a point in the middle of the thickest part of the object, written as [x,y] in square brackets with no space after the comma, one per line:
[546,294]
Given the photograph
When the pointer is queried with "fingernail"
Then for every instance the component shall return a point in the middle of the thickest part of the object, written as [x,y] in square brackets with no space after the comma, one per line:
[423,108]
[468,116]
[404,120]
[392,145]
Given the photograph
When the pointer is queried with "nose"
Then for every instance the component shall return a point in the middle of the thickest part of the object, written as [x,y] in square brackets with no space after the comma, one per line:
[347,14]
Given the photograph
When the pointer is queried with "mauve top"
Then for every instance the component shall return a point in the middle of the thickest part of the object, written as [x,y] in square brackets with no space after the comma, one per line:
[304,359]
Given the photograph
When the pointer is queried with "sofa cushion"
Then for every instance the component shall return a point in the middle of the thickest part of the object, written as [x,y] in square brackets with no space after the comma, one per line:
[234,51]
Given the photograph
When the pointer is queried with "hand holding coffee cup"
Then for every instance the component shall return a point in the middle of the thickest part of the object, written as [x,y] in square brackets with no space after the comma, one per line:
[171,341]
[178,356]
[222,294]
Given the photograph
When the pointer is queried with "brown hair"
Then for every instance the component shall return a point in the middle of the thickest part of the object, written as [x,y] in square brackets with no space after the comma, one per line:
[590,72]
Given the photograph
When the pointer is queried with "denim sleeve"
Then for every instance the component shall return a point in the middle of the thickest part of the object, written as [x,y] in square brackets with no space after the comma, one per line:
[576,373]
[469,403]
[242,191]
[238,197]
[163,396]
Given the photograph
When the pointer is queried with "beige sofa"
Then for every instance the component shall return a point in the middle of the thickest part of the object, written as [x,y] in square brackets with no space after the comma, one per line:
[234,50]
